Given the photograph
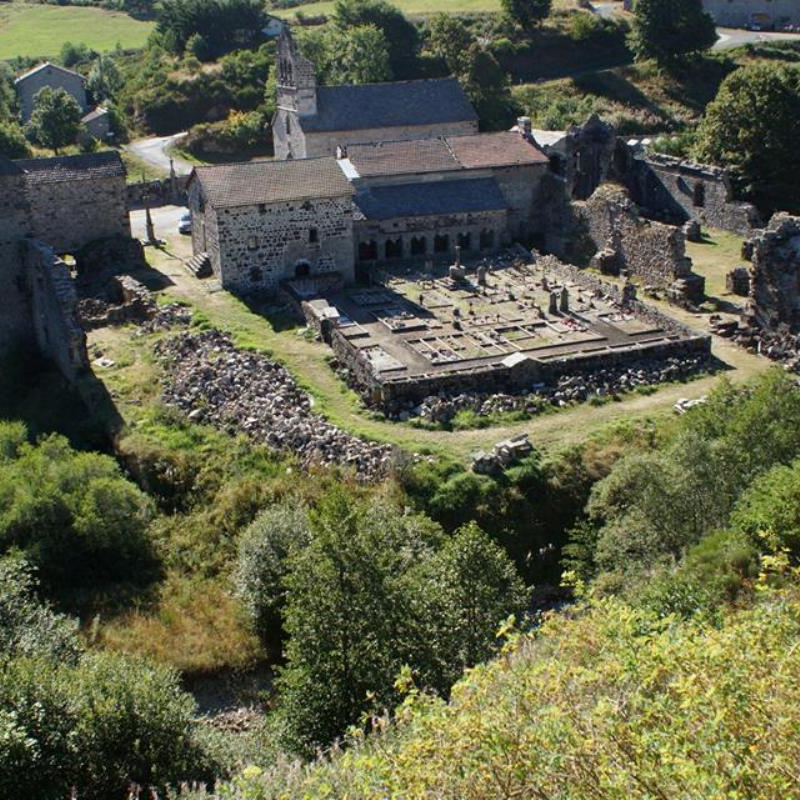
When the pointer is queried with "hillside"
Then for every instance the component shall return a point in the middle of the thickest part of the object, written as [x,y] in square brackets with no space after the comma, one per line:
[610,703]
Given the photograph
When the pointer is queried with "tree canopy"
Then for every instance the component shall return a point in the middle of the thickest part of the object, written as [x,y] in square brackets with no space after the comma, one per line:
[665,30]
[56,118]
[752,128]
[528,14]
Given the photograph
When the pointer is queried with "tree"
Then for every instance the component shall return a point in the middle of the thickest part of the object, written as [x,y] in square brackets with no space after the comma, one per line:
[56,118]
[468,588]
[73,54]
[449,39]
[265,549]
[12,141]
[347,617]
[352,55]
[528,14]
[752,128]
[401,35]
[79,522]
[104,79]
[487,87]
[665,30]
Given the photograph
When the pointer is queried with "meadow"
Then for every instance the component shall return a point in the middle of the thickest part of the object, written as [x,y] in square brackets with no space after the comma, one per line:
[39,30]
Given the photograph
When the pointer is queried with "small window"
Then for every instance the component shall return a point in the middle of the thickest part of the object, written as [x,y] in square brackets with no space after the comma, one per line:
[699,198]
[313,235]
[252,242]
[288,125]
[255,275]
[262,208]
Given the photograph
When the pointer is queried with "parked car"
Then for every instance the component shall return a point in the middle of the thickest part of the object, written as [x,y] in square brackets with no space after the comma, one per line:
[185,224]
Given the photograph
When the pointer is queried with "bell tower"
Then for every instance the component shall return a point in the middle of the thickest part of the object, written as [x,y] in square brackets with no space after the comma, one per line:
[296,82]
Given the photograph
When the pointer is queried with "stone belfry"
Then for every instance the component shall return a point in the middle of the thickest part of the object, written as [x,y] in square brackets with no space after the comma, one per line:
[296,82]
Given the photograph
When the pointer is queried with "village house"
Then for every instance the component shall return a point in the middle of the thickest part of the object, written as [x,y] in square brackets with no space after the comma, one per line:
[31,82]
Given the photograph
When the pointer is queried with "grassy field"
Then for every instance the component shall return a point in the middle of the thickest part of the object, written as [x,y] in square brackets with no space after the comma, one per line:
[39,30]
[415,7]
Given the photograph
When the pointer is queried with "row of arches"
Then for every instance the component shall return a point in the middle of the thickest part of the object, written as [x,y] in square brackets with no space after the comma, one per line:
[416,246]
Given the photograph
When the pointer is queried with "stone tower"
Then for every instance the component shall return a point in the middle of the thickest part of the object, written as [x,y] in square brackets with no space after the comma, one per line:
[297,85]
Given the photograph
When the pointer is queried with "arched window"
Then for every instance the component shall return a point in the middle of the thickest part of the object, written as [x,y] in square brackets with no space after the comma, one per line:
[368,251]
[394,248]
[419,246]
[302,269]
[487,239]
[441,244]
[465,241]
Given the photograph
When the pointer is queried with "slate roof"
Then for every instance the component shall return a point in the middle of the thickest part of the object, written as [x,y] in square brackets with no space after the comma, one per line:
[231,185]
[501,149]
[400,158]
[427,199]
[106,164]
[385,105]
[46,65]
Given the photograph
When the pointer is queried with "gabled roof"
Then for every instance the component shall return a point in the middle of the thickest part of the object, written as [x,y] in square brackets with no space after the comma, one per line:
[254,182]
[100,111]
[385,105]
[427,199]
[401,158]
[106,164]
[474,151]
[47,66]
[501,149]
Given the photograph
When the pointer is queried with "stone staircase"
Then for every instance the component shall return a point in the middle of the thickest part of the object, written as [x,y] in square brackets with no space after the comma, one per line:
[199,265]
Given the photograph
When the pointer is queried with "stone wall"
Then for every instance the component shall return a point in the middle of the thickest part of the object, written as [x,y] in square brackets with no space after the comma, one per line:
[15,325]
[158,193]
[521,188]
[737,13]
[675,191]
[288,139]
[423,230]
[69,214]
[254,248]
[54,309]
[325,143]
[775,273]
[652,251]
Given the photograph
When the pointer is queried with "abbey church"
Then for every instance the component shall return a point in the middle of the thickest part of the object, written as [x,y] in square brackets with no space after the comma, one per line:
[364,175]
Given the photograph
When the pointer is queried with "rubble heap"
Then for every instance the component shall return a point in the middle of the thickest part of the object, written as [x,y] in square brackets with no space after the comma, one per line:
[216,383]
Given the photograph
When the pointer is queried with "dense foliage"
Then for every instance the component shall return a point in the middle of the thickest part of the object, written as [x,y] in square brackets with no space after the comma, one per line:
[752,128]
[348,55]
[666,30]
[56,118]
[528,14]
[73,515]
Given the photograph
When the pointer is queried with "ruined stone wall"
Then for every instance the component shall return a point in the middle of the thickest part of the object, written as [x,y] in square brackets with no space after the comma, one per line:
[70,214]
[775,272]
[325,143]
[521,188]
[15,326]
[259,246]
[676,191]
[158,193]
[54,309]
[427,228]
[653,251]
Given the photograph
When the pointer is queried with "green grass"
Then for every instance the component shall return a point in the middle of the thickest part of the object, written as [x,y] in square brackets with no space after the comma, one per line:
[139,169]
[40,30]
[715,257]
[415,7]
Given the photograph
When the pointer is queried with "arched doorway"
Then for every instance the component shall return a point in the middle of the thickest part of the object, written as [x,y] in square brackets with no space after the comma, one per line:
[302,269]
[368,251]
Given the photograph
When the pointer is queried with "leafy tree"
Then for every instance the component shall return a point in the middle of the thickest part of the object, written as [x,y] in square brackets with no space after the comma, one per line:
[470,586]
[78,521]
[264,552]
[401,35]
[12,141]
[347,617]
[56,118]
[665,30]
[29,627]
[449,39]
[487,86]
[769,511]
[752,128]
[528,14]
[105,80]
[8,97]
[74,54]
[353,55]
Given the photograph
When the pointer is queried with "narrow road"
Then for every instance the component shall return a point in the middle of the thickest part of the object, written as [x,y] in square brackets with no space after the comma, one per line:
[153,150]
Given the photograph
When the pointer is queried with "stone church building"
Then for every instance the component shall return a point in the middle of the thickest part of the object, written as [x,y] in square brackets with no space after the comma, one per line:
[364,175]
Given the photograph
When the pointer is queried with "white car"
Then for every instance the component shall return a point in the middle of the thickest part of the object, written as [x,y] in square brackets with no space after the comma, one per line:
[185,223]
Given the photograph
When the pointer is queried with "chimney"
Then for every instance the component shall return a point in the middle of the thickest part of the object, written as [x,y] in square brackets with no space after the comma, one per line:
[341,151]
[525,128]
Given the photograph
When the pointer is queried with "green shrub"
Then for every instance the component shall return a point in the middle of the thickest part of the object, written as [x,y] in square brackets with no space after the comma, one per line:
[12,141]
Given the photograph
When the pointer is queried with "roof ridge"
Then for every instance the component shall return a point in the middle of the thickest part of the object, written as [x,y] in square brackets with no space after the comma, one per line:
[386,83]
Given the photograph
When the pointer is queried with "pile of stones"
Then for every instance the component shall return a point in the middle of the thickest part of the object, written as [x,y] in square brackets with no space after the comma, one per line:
[172,315]
[567,390]
[214,382]
[779,345]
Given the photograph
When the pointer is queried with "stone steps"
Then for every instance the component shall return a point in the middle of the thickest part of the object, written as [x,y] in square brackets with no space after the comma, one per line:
[199,265]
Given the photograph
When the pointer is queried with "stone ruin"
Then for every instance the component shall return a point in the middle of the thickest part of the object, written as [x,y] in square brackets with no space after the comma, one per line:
[771,322]
[504,454]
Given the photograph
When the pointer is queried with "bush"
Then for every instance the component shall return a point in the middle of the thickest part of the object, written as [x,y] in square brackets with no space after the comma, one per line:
[240,133]
[78,521]
[583,26]
[12,141]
